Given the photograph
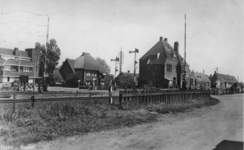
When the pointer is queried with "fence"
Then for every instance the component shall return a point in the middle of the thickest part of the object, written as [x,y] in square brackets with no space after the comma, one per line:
[124,98]
[162,97]
[32,98]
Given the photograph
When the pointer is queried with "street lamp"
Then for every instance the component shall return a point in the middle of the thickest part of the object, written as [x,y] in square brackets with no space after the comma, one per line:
[135,62]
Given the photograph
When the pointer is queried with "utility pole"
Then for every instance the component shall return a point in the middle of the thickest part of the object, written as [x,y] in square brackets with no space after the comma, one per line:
[185,42]
[135,62]
[45,56]
[184,63]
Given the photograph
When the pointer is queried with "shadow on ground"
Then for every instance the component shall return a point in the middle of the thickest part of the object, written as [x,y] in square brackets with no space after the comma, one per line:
[229,145]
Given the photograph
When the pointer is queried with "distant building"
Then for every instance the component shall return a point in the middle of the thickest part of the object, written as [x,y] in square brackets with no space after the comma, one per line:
[199,81]
[17,65]
[222,80]
[89,69]
[163,66]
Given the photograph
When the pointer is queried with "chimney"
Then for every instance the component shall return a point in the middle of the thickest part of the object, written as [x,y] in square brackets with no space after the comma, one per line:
[15,50]
[160,38]
[128,71]
[165,39]
[203,71]
[214,72]
[176,47]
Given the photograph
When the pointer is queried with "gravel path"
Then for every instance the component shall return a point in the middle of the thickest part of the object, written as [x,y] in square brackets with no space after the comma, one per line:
[201,129]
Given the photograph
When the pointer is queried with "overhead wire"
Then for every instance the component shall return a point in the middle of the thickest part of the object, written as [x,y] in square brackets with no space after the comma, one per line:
[5,13]
[22,21]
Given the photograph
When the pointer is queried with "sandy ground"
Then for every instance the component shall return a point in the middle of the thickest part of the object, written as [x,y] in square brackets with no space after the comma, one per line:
[201,129]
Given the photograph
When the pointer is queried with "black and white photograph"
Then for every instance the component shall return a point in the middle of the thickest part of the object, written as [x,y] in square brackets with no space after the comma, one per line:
[121,74]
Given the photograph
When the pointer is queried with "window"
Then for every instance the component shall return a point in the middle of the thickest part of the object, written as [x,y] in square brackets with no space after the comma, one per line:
[169,68]
[14,68]
[88,73]
[7,68]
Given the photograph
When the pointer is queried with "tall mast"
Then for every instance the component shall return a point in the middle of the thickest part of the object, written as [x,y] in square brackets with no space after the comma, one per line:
[185,42]
[45,56]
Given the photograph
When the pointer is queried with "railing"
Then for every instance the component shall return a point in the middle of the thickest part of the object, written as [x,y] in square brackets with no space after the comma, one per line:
[26,97]
[125,97]
[160,97]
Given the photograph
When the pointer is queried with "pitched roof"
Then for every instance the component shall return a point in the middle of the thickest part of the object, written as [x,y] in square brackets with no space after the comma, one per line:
[6,51]
[201,77]
[163,49]
[86,61]
[225,78]
[71,63]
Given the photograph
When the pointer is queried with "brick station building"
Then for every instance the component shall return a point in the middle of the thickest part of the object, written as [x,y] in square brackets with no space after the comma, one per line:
[163,66]
[17,65]
[89,68]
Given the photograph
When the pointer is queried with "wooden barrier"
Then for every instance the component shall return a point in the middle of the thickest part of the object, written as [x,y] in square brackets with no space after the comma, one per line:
[161,97]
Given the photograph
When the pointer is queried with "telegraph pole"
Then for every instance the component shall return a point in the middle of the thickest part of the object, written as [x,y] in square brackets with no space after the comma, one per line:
[45,55]
[185,42]
[184,63]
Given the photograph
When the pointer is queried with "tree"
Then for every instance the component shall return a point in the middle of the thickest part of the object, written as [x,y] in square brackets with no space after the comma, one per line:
[72,79]
[104,63]
[53,55]
[125,81]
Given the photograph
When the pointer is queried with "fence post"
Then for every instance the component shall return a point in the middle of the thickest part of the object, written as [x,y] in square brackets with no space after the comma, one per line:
[14,103]
[32,101]
[120,99]
[90,97]
[110,95]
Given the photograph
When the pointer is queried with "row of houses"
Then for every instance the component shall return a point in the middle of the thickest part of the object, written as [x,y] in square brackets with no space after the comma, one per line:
[162,66]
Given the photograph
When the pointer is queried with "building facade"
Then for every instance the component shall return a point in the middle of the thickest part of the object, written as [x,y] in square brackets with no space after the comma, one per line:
[162,65]
[199,81]
[90,71]
[19,66]
[222,80]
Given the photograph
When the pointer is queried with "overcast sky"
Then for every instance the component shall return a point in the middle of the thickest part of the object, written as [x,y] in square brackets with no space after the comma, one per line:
[215,29]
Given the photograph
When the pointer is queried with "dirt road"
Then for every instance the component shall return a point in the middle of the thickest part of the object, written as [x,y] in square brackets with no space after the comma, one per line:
[201,129]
